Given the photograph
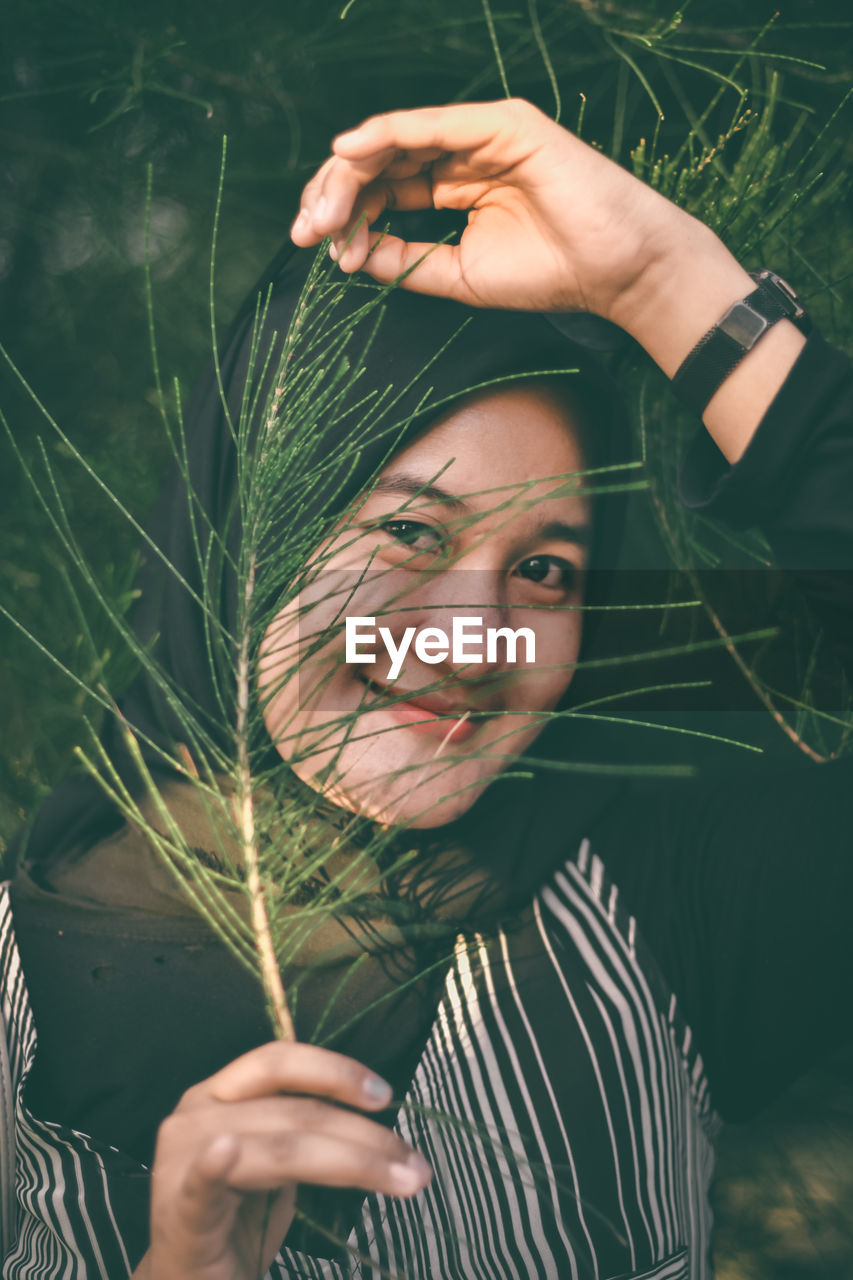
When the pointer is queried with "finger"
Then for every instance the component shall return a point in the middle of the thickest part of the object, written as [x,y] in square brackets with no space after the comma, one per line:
[310,1116]
[407,163]
[453,128]
[265,1162]
[328,202]
[185,1131]
[500,133]
[351,247]
[420,267]
[352,244]
[280,1067]
[202,1199]
[333,197]
[283,1115]
[302,231]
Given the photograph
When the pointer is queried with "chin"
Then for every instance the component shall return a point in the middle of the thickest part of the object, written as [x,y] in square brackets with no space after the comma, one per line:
[405,800]
[435,815]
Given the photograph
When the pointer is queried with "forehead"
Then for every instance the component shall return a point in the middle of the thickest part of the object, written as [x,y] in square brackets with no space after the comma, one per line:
[518,435]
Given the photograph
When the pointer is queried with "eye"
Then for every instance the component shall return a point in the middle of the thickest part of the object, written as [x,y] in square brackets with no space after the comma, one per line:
[412,533]
[551,572]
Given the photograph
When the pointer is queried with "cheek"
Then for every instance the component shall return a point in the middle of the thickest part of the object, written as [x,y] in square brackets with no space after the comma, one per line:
[276,657]
[303,678]
[543,684]
[276,653]
[308,632]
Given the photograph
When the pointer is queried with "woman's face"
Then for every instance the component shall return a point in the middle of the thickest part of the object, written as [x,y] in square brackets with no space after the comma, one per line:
[481,517]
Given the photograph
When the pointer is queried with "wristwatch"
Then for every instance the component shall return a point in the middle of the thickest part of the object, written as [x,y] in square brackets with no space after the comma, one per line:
[719,350]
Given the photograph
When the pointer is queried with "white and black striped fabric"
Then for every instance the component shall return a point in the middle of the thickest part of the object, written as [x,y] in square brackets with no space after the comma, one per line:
[559,1100]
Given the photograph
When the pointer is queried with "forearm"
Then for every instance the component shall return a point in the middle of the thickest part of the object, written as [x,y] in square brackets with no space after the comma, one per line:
[795,483]
[796,413]
[793,407]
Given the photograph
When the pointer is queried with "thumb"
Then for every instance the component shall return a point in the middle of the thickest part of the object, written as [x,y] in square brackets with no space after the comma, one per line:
[204,1200]
[421,267]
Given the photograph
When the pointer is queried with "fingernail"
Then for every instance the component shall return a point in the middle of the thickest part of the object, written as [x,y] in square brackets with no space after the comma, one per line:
[411,1176]
[301,221]
[333,253]
[345,137]
[417,1162]
[321,208]
[374,1087]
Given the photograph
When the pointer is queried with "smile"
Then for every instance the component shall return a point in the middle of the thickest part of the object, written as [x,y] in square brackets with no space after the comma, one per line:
[435,714]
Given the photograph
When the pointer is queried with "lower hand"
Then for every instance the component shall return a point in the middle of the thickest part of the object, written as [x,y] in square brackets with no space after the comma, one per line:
[229,1157]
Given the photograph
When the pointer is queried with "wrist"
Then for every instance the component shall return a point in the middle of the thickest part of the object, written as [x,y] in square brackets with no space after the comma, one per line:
[684,291]
[683,288]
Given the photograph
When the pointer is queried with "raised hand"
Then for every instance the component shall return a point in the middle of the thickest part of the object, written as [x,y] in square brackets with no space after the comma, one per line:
[553,224]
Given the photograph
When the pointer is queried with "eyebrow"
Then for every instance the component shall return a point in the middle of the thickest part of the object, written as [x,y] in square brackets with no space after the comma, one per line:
[558,529]
[401,482]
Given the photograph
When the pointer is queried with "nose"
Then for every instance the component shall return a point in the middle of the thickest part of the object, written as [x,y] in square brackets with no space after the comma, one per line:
[465,601]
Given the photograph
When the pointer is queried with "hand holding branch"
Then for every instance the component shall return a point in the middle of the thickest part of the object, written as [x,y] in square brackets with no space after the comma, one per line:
[231,1154]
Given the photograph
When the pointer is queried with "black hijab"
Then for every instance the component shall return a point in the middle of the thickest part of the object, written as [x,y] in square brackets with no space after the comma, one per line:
[462,348]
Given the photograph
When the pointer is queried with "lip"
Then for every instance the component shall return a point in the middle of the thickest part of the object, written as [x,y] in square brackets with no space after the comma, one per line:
[430,713]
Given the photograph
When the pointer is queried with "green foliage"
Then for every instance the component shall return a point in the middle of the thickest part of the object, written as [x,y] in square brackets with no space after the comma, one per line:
[736,114]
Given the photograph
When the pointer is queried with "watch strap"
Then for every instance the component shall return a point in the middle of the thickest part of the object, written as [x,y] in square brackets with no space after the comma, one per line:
[722,348]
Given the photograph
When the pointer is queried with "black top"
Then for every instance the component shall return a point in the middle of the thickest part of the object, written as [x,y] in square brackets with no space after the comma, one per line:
[740,883]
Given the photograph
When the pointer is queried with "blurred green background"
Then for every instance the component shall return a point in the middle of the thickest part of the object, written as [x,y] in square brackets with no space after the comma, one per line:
[94,93]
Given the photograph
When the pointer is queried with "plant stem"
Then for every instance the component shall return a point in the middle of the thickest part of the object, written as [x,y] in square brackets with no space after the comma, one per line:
[270,972]
[730,647]
[763,697]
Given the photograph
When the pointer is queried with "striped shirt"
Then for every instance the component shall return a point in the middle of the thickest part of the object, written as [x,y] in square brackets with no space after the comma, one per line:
[560,1101]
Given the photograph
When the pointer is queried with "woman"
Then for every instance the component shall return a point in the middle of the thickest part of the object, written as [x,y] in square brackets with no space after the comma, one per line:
[584,1049]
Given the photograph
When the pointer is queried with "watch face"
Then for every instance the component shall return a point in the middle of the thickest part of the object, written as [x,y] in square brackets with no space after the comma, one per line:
[743,325]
